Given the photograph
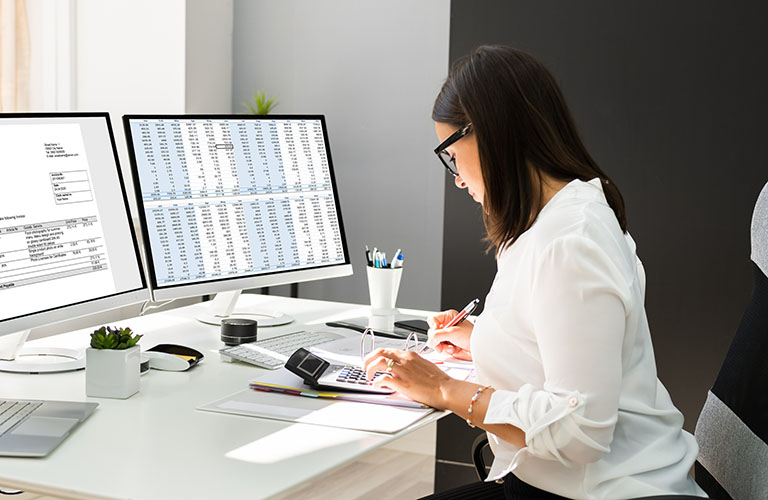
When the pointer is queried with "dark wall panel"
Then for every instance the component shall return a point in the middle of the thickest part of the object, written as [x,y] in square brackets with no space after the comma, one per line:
[671,99]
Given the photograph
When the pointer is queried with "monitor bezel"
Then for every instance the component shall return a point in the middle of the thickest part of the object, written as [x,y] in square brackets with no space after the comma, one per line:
[89,306]
[271,278]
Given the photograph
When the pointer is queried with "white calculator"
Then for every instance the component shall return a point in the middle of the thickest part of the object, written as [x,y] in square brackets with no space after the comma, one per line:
[320,374]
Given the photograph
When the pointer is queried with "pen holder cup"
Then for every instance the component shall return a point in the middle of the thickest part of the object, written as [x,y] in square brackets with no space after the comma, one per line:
[383,284]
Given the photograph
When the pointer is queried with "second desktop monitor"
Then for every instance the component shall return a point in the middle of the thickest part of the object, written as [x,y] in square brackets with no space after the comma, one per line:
[230,202]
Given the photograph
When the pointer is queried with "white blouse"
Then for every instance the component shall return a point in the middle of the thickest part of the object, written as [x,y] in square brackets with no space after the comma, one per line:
[564,340]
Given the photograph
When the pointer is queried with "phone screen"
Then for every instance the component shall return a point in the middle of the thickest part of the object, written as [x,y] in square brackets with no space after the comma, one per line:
[414,325]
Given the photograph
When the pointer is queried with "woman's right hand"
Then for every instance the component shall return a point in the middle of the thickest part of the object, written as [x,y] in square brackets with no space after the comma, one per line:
[453,341]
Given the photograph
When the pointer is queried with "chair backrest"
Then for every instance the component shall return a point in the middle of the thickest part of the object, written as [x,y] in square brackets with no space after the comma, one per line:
[732,430]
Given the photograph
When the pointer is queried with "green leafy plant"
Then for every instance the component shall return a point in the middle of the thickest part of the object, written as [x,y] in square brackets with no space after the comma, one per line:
[108,337]
[262,105]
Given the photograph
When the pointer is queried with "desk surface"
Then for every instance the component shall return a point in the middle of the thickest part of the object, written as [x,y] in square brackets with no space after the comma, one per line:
[156,445]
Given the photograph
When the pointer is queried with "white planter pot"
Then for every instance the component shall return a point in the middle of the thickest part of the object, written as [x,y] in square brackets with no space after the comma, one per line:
[111,373]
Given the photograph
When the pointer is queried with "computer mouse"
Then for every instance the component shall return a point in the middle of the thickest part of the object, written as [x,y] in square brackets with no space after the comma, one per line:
[166,361]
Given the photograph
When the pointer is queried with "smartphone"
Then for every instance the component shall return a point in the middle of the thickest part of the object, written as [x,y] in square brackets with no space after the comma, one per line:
[414,325]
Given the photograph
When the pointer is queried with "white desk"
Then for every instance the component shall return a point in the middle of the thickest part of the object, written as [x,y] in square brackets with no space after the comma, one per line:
[155,445]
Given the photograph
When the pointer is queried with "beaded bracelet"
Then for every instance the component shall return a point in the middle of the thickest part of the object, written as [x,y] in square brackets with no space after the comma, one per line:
[472,404]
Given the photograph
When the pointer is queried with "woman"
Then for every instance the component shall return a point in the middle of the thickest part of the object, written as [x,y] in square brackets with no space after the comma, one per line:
[567,386]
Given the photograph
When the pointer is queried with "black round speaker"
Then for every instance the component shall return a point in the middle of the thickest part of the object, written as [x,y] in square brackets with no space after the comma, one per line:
[236,331]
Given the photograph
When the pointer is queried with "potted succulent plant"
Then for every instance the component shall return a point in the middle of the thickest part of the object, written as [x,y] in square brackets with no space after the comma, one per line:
[112,363]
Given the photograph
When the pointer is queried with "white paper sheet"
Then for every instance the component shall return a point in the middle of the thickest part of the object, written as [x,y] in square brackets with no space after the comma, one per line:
[344,414]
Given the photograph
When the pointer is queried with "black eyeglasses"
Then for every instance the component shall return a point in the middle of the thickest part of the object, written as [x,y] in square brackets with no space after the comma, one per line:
[449,161]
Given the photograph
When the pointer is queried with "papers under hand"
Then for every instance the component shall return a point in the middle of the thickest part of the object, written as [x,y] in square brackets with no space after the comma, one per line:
[317,411]
[447,361]
[347,351]
[286,382]
[281,395]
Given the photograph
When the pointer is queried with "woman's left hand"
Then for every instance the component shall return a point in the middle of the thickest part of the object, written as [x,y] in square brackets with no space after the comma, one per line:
[409,374]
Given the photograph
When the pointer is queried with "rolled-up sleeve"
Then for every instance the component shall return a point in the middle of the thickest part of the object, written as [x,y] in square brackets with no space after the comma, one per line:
[579,299]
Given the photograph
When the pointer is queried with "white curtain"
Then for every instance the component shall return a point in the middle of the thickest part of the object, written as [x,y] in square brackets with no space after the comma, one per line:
[14,56]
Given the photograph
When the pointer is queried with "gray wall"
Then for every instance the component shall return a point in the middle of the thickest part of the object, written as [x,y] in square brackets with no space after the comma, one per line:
[671,99]
[373,69]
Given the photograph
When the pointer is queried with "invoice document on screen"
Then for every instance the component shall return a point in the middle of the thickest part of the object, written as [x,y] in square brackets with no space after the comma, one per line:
[50,225]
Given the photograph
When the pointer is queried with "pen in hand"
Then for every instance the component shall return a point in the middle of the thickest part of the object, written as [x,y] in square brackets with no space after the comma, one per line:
[458,318]
[462,315]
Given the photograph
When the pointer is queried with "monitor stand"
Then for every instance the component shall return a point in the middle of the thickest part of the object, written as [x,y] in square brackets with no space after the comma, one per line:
[17,359]
[223,307]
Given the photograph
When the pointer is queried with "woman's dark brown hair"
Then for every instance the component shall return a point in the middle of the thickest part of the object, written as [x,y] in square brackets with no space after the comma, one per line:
[520,118]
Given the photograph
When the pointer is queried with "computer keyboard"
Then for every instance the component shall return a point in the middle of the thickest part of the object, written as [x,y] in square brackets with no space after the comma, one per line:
[12,412]
[273,353]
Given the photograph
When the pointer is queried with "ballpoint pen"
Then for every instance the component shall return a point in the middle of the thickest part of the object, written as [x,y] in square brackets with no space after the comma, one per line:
[458,318]
[462,315]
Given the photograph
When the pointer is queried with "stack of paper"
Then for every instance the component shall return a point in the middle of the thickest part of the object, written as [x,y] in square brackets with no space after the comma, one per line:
[273,395]
[288,383]
[390,414]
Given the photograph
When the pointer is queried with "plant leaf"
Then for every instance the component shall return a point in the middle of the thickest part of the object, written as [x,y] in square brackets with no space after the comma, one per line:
[261,105]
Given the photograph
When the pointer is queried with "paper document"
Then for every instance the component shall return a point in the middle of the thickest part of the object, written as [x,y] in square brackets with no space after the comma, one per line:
[347,351]
[316,411]
[282,380]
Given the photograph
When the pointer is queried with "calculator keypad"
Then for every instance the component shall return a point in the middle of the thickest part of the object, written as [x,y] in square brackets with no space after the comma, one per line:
[352,375]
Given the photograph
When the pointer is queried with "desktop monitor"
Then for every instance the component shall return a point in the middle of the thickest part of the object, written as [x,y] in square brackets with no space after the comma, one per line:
[67,245]
[234,202]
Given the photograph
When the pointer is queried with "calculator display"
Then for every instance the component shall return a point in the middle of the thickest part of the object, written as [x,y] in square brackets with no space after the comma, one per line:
[310,364]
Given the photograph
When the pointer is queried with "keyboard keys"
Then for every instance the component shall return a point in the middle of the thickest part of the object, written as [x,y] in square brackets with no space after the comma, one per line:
[273,353]
[13,412]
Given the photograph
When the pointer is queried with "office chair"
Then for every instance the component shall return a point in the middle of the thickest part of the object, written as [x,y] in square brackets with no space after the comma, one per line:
[732,430]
